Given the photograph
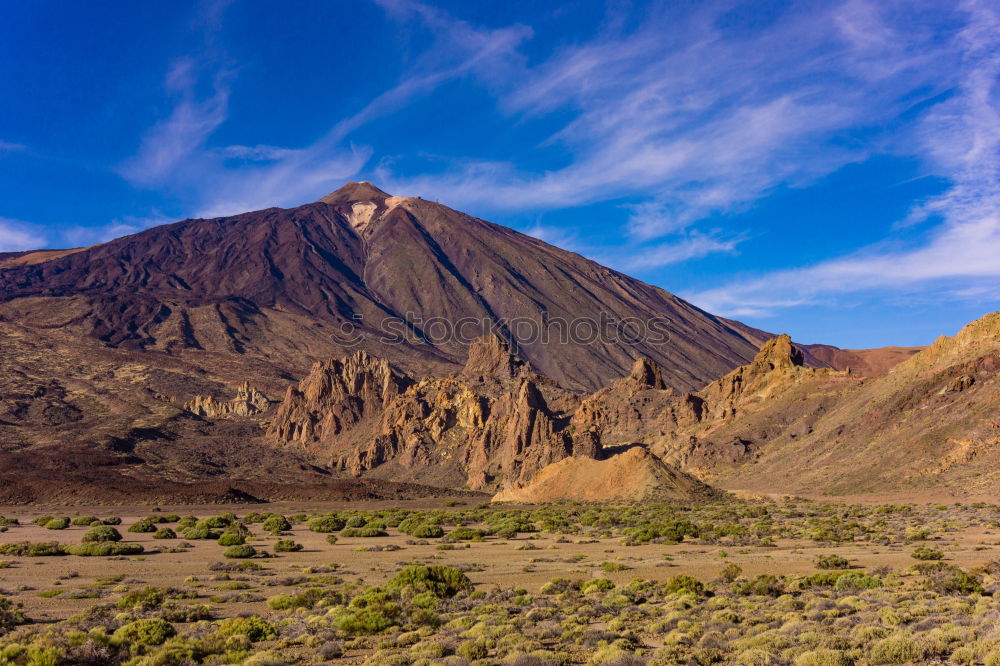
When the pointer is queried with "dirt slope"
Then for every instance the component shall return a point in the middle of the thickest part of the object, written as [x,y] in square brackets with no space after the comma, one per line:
[633,475]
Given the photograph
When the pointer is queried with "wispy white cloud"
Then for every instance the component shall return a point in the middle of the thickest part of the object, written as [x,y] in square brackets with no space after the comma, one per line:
[8,147]
[79,236]
[16,236]
[960,140]
[175,153]
[701,120]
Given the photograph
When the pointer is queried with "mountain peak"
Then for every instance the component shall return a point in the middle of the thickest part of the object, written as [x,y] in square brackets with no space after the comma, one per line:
[360,190]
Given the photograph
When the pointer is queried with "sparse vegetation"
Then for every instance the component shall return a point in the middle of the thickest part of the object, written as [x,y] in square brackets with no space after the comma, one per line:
[619,593]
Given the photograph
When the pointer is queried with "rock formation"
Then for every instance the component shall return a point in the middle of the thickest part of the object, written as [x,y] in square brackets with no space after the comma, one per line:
[489,426]
[248,402]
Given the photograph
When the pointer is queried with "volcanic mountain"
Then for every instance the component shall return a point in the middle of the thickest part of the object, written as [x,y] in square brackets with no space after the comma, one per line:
[277,289]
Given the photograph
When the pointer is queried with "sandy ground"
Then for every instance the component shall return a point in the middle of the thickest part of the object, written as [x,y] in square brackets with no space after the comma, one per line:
[523,561]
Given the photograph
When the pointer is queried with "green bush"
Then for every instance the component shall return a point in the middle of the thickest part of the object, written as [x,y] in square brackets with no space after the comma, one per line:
[150,631]
[831,562]
[102,533]
[326,524]
[199,530]
[824,658]
[427,531]
[331,539]
[42,520]
[146,598]
[165,533]
[276,523]
[898,649]
[57,524]
[764,585]
[363,532]
[84,521]
[252,628]
[466,534]
[683,584]
[473,650]
[113,520]
[11,615]
[105,549]
[8,522]
[286,546]
[169,518]
[441,581]
[29,549]
[143,527]
[356,521]
[925,553]
[242,551]
[231,539]
[304,599]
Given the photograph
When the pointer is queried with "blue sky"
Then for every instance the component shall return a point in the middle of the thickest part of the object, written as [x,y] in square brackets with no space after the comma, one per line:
[829,169]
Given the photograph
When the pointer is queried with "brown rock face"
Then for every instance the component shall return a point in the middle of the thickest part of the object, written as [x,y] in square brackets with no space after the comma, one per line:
[490,426]
[248,402]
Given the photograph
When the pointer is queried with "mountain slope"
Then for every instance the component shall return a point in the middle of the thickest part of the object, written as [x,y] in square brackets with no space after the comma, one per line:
[283,286]
[930,422]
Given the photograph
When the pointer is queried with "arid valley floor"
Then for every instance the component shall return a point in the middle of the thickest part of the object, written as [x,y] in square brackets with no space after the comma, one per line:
[456,581]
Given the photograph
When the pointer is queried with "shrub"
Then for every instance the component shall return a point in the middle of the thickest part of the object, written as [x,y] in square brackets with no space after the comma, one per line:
[764,585]
[105,549]
[331,539]
[84,521]
[8,522]
[11,615]
[683,584]
[925,553]
[356,521]
[899,649]
[169,518]
[112,520]
[824,658]
[326,524]
[441,581]
[220,521]
[304,599]
[473,650]
[276,523]
[29,549]
[42,520]
[57,524]
[831,562]
[199,531]
[252,628]
[730,572]
[231,539]
[466,534]
[165,533]
[150,631]
[287,546]
[143,527]
[427,531]
[363,532]
[952,580]
[102,533]
[597,585]
[145,599]
[242,551]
